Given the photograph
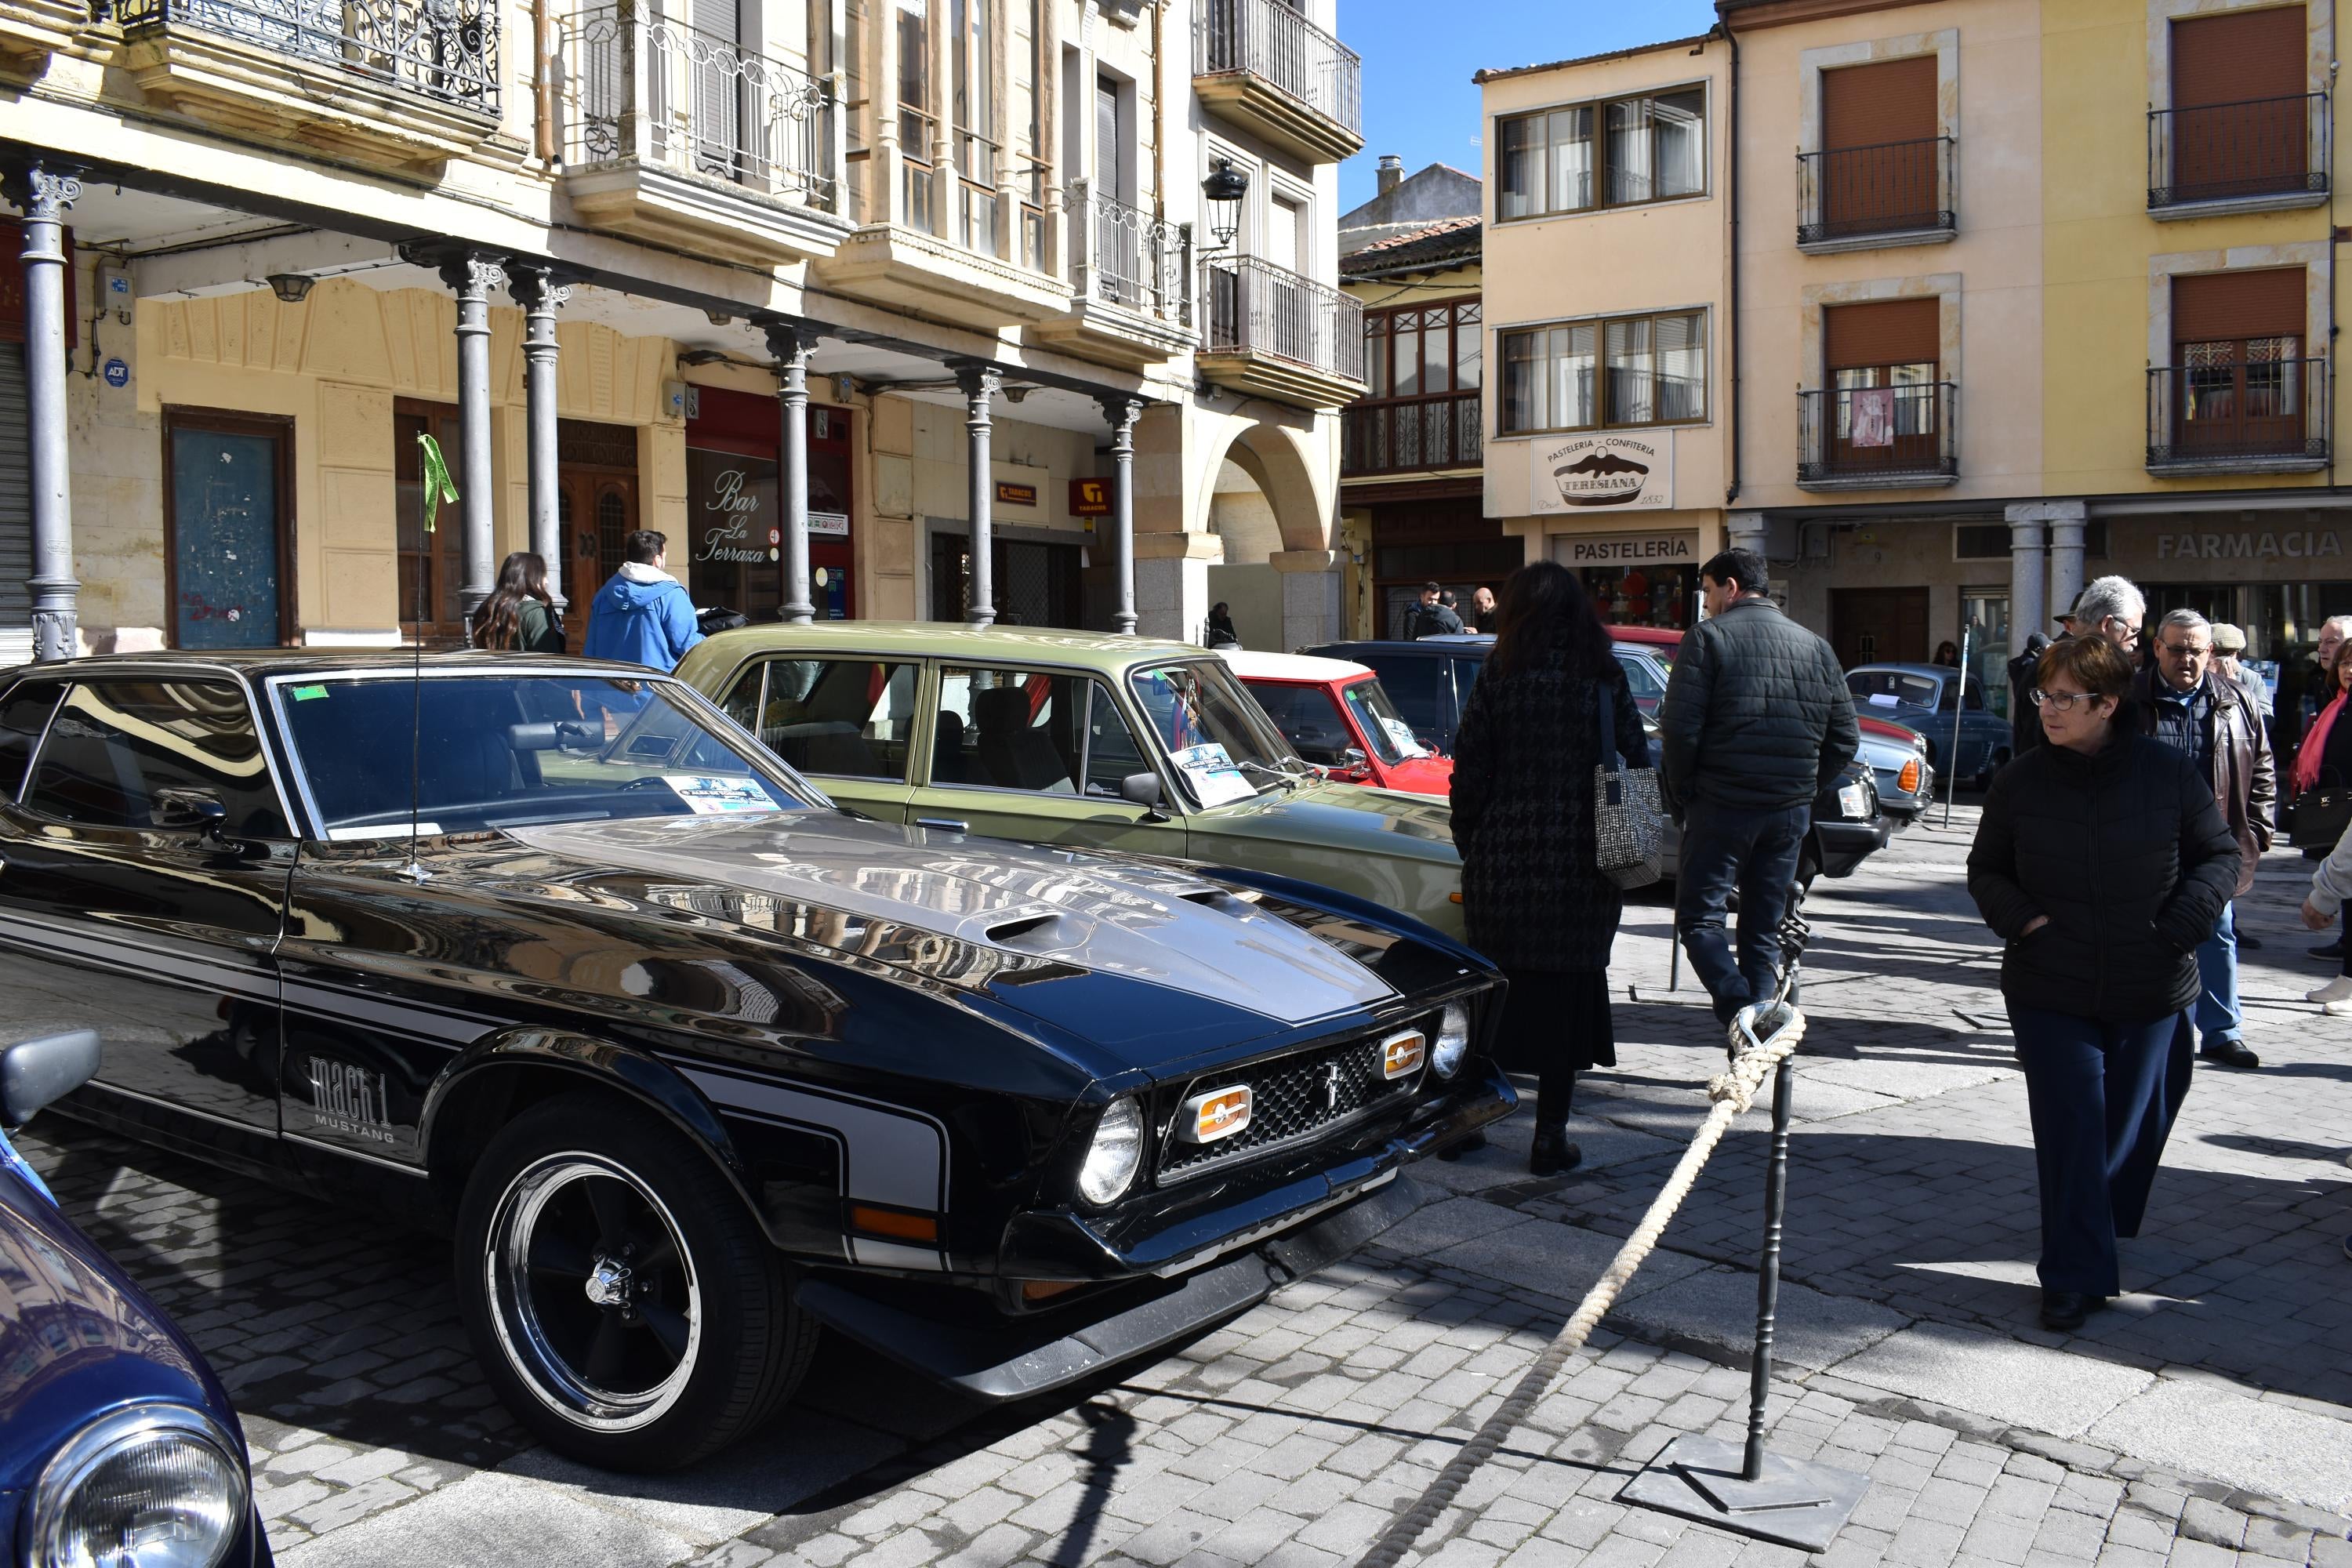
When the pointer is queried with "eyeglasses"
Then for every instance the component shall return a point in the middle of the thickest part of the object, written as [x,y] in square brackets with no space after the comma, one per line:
[2184,649]
[2063,701]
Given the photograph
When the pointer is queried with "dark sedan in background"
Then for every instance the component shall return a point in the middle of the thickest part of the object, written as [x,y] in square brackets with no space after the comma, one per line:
[551,954]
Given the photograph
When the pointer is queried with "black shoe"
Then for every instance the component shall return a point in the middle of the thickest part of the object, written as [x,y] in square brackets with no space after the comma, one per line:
[2333,950]
[1552,1153]
[2230,1054]
[1470,1145]
[2250,941]
[2063,1311]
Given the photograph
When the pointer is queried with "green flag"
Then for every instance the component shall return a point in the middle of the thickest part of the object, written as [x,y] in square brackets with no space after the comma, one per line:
[437,487]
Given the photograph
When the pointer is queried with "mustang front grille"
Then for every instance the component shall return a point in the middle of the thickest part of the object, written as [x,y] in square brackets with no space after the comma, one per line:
[1291,1098]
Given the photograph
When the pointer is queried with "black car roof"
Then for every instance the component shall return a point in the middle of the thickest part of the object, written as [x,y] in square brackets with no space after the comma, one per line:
[1471,644]
[260,663]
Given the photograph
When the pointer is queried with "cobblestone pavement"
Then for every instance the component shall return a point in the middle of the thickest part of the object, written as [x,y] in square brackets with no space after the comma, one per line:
[2205,1419]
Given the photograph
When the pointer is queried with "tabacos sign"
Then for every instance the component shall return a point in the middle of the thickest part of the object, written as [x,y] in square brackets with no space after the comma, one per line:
[1602,473]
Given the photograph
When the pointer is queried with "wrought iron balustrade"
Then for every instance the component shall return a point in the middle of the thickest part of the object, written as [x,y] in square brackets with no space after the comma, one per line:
[1891,436]
[1130,257]
[2234,151]
[1256,307]
[2238,414]
[1272,41]
[1407,435]
[637,85]
[1856,193]
[444,49]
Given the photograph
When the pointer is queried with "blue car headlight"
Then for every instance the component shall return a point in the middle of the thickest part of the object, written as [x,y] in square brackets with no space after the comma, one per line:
[150,1486]
[1453,1040]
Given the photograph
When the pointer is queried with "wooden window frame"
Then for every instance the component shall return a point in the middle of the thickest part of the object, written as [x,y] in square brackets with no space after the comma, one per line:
[1379,326]
[1600,107]
[279,427]
[1601,325]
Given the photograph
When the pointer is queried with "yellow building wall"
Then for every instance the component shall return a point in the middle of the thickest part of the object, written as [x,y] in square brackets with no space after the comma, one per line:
[2098,243]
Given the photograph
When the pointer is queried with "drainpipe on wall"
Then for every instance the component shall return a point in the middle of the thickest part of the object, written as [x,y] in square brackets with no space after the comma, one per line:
[542,80]
[1159,119]
[2335,281]
[1738,425]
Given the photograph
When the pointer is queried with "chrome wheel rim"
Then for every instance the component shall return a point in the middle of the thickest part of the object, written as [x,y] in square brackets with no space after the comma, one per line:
[593,1291]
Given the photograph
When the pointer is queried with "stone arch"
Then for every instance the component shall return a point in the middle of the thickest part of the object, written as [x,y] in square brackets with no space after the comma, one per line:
[1277,461]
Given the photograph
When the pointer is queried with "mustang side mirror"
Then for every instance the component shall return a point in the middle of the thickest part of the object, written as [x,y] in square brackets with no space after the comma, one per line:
[1143,790]
[40,1072]
[178,810]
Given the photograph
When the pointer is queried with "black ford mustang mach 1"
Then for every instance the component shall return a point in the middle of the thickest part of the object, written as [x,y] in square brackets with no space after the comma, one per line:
[550,954]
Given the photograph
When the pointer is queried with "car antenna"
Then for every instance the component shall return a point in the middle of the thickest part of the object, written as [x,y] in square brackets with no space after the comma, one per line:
[437,489]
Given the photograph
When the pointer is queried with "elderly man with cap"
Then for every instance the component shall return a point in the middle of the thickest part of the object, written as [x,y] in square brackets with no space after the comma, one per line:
[2229,647]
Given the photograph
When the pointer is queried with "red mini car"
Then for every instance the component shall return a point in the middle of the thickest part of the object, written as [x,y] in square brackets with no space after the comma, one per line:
[1335,716]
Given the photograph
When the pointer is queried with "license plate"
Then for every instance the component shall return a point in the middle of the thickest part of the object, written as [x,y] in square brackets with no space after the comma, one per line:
[1852,802]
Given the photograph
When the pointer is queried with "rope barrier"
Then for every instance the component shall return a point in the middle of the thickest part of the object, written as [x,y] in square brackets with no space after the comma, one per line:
[1733,1093]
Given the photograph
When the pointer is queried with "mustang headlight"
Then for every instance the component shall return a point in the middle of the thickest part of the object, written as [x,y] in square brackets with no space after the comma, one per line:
[1453,1040]
[153,1486]
[1116,1154]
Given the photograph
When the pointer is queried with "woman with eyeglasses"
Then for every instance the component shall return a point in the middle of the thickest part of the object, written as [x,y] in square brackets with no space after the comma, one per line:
[2102,863]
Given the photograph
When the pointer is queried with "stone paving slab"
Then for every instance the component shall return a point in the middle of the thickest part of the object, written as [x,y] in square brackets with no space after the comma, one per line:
[490,1519]
[2012,1383]
[1558,1260]
[2252,1443]
[1717,1307]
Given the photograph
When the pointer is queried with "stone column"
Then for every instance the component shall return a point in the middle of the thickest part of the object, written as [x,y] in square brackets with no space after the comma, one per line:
[1744,530]
[2066,519]
[540,292]
[473,276]
[2027,612]
[42,192]
[1311,596]
[791,342]
[980,383]
[1171,583]
[1122,411]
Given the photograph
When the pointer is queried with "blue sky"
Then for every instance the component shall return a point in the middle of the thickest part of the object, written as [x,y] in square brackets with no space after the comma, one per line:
[1418,55]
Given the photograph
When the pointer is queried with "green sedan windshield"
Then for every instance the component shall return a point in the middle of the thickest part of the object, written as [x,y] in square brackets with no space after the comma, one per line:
[1214,732]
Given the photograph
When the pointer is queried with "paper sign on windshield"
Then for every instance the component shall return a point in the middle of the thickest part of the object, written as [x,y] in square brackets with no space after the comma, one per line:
[706,796]
[1212,774]
[1885,699]
[1402,734]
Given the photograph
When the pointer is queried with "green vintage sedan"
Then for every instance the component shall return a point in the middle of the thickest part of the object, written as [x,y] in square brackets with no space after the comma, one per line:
[1116,743]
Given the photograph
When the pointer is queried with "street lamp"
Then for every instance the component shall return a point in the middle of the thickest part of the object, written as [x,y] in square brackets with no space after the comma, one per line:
[292,288]
[1223,190]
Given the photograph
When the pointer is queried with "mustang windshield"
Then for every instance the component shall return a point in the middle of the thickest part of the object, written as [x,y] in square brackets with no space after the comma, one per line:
[513,751]
[1214,732]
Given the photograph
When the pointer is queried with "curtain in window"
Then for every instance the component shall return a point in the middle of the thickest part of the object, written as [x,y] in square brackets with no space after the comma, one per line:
[1522,158]
[1572,383]
[1682,366]
[1681,139]
[1571,159]
[1632,387]
[1632,168]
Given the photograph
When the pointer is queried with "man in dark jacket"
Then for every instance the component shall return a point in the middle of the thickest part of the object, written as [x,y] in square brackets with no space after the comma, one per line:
[1755,721]
[2025,718]
[1432,618]
[2185,702]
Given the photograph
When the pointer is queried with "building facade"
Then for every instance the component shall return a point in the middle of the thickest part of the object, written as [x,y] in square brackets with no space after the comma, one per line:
[829,291]
[1973,300]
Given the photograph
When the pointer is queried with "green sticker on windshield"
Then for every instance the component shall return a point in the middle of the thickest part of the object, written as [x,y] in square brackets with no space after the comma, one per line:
[304,693]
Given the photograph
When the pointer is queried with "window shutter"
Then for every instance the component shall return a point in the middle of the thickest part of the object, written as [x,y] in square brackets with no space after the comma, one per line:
[2235,56]
[1886,332]
[1872,105]
[2222,307]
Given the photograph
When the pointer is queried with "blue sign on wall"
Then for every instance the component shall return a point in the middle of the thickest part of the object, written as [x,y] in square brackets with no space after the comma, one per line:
[225,540]
[117,372]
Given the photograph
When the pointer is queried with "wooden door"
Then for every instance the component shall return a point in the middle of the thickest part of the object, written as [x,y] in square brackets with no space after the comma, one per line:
[1879,626]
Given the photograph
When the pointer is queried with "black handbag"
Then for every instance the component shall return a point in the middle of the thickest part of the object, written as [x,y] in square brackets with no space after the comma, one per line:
[2319,817]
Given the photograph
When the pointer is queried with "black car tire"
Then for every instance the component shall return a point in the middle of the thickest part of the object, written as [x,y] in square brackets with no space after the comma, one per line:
[592,1234]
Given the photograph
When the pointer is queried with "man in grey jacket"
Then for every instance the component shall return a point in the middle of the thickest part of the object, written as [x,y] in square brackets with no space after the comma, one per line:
[1755,721]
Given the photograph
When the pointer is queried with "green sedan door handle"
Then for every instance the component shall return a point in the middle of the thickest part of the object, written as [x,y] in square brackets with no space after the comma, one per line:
[944,823]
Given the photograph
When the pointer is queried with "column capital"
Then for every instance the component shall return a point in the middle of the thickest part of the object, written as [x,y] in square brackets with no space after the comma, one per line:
[790,339]
[471,273]
[2073,511]
[978,379]
[42,190]
[537,286]
[1122,409]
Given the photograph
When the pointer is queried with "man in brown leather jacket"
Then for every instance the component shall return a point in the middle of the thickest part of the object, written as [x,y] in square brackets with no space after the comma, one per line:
[2186,703]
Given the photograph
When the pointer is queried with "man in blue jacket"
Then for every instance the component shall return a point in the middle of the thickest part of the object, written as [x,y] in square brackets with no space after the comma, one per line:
[643,616]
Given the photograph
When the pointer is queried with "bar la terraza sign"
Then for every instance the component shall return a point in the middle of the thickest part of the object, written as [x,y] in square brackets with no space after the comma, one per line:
[1602,473]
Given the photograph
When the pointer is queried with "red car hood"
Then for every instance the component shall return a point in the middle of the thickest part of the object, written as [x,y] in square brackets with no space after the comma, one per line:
[1422,775]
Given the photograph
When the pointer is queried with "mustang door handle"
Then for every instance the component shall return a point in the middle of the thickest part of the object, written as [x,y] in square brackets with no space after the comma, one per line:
[944,823]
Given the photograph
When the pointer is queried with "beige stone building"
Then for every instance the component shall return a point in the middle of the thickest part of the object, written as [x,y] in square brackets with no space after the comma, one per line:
[610,258]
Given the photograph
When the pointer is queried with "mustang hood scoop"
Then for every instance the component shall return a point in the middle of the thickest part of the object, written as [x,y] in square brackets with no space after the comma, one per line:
[1146,922]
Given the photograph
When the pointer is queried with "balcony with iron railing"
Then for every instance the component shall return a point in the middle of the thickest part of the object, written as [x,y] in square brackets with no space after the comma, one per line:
[1128,270]
[388,82]
[1275,333]
[2237,417]
[1263,63]
[1878,437]
[676,134]
[1410,434]
[1862,198]
[2261,155]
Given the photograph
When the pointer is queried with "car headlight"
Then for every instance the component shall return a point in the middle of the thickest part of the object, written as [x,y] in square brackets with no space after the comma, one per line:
[1116,1154]
[152,1486]
[1453,1040]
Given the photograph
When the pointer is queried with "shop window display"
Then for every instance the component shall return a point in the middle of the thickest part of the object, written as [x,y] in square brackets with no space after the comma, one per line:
[1643,596]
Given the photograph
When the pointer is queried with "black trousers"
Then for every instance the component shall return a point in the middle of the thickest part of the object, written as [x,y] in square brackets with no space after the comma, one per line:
[1556,1024]
[2103,1099]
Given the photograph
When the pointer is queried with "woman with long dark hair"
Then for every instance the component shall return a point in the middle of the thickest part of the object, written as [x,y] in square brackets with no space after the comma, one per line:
[520,615]
[1532,896]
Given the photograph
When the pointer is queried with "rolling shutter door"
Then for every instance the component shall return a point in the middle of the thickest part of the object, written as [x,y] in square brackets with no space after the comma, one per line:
[16,497]
[1889,331]
[2235,56]
[1869,106]
[2226,306]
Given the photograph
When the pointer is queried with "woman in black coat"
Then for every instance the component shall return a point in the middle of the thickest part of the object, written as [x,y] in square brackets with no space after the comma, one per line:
[2103,863]
[1532,896]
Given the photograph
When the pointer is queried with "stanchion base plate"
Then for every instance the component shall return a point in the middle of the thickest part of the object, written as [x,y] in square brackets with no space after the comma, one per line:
[1795,1504]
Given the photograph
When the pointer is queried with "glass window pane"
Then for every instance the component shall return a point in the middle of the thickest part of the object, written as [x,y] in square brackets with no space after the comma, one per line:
[1308,718]
[118,752]
[1571,159]
[1523,381]
[1522,168]
[1112,751]
[1469,351]
[1682,366]
[22,719]
[849,718]
[1680,124]
[1630,173]
[1436,355]
[1376,356]
[1408,354]
[1008,728]
[1632,390]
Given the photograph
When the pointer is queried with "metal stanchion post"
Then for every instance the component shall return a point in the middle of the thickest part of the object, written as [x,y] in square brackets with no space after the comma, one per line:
[1741,1488]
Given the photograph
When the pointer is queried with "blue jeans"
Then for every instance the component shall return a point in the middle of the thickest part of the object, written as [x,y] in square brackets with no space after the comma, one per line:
[2103,1098]
[1756,852]
[2218,1016]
